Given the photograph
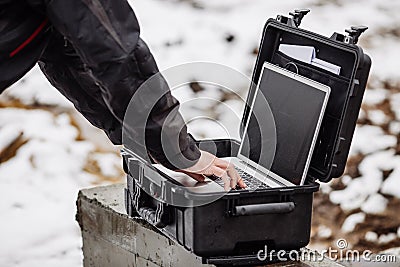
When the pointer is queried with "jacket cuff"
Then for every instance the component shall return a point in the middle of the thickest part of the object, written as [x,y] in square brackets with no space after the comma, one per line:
[189,156]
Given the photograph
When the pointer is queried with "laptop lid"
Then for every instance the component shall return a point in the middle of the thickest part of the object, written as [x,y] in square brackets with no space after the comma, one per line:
[281,144]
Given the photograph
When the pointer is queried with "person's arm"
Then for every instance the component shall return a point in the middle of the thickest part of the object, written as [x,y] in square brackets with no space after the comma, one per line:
[65,70]
[105,35]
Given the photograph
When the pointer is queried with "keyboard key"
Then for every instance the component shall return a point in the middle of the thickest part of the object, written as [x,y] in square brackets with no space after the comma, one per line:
[251,182]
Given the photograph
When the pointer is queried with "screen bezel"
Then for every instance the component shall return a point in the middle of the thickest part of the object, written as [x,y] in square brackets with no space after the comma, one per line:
[297,77]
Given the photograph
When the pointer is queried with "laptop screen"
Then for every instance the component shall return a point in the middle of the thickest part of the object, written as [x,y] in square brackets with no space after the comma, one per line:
[296,109]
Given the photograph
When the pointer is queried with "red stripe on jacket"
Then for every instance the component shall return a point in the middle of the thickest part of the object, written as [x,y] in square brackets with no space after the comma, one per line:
[30,38]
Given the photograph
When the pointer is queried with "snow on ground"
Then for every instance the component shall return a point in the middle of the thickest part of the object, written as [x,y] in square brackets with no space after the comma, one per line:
[39,186]
[34,88]
[391,185]
[58,152]
[38,190]
[351,222]
[324,232]
[375,204]
[371,236]
[7,136]
[364,134]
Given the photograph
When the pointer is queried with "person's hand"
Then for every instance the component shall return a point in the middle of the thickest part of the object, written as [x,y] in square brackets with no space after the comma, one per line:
[210,165]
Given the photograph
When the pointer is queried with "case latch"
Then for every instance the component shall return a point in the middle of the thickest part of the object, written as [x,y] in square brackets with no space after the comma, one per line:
[298,15]
[158,214]
[353,35]
[295,20]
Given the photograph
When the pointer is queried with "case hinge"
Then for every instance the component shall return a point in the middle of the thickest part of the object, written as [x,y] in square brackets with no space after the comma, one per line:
[355,87]
[339,145]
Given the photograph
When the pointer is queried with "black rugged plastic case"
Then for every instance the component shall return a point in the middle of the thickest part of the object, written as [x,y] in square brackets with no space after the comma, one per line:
[234,228]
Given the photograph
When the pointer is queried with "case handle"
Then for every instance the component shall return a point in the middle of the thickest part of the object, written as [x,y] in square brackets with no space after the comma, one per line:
[269,208]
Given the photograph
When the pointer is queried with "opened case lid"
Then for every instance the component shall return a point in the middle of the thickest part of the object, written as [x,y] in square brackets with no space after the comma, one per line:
[347,88]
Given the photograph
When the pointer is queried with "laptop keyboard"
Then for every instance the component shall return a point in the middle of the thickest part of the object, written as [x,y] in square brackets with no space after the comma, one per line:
[252,182]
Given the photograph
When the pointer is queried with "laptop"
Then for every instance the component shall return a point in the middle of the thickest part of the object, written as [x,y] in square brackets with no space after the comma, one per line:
[279,137]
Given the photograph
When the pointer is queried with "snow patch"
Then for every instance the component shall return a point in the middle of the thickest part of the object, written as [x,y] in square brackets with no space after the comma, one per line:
[375,204]
[325,188]
[8,134]
[375,96]
[110,164]
[346,179]
[377,117]
[351,222]
[34,88]
[359,189]
[391,186]
[324,232]
[395,104]
[394,127]
[362,140]
[371,237]
[384,239]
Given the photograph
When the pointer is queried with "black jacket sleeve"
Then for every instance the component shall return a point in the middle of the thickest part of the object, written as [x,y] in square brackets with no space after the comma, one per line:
[66,72]
[112,63]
